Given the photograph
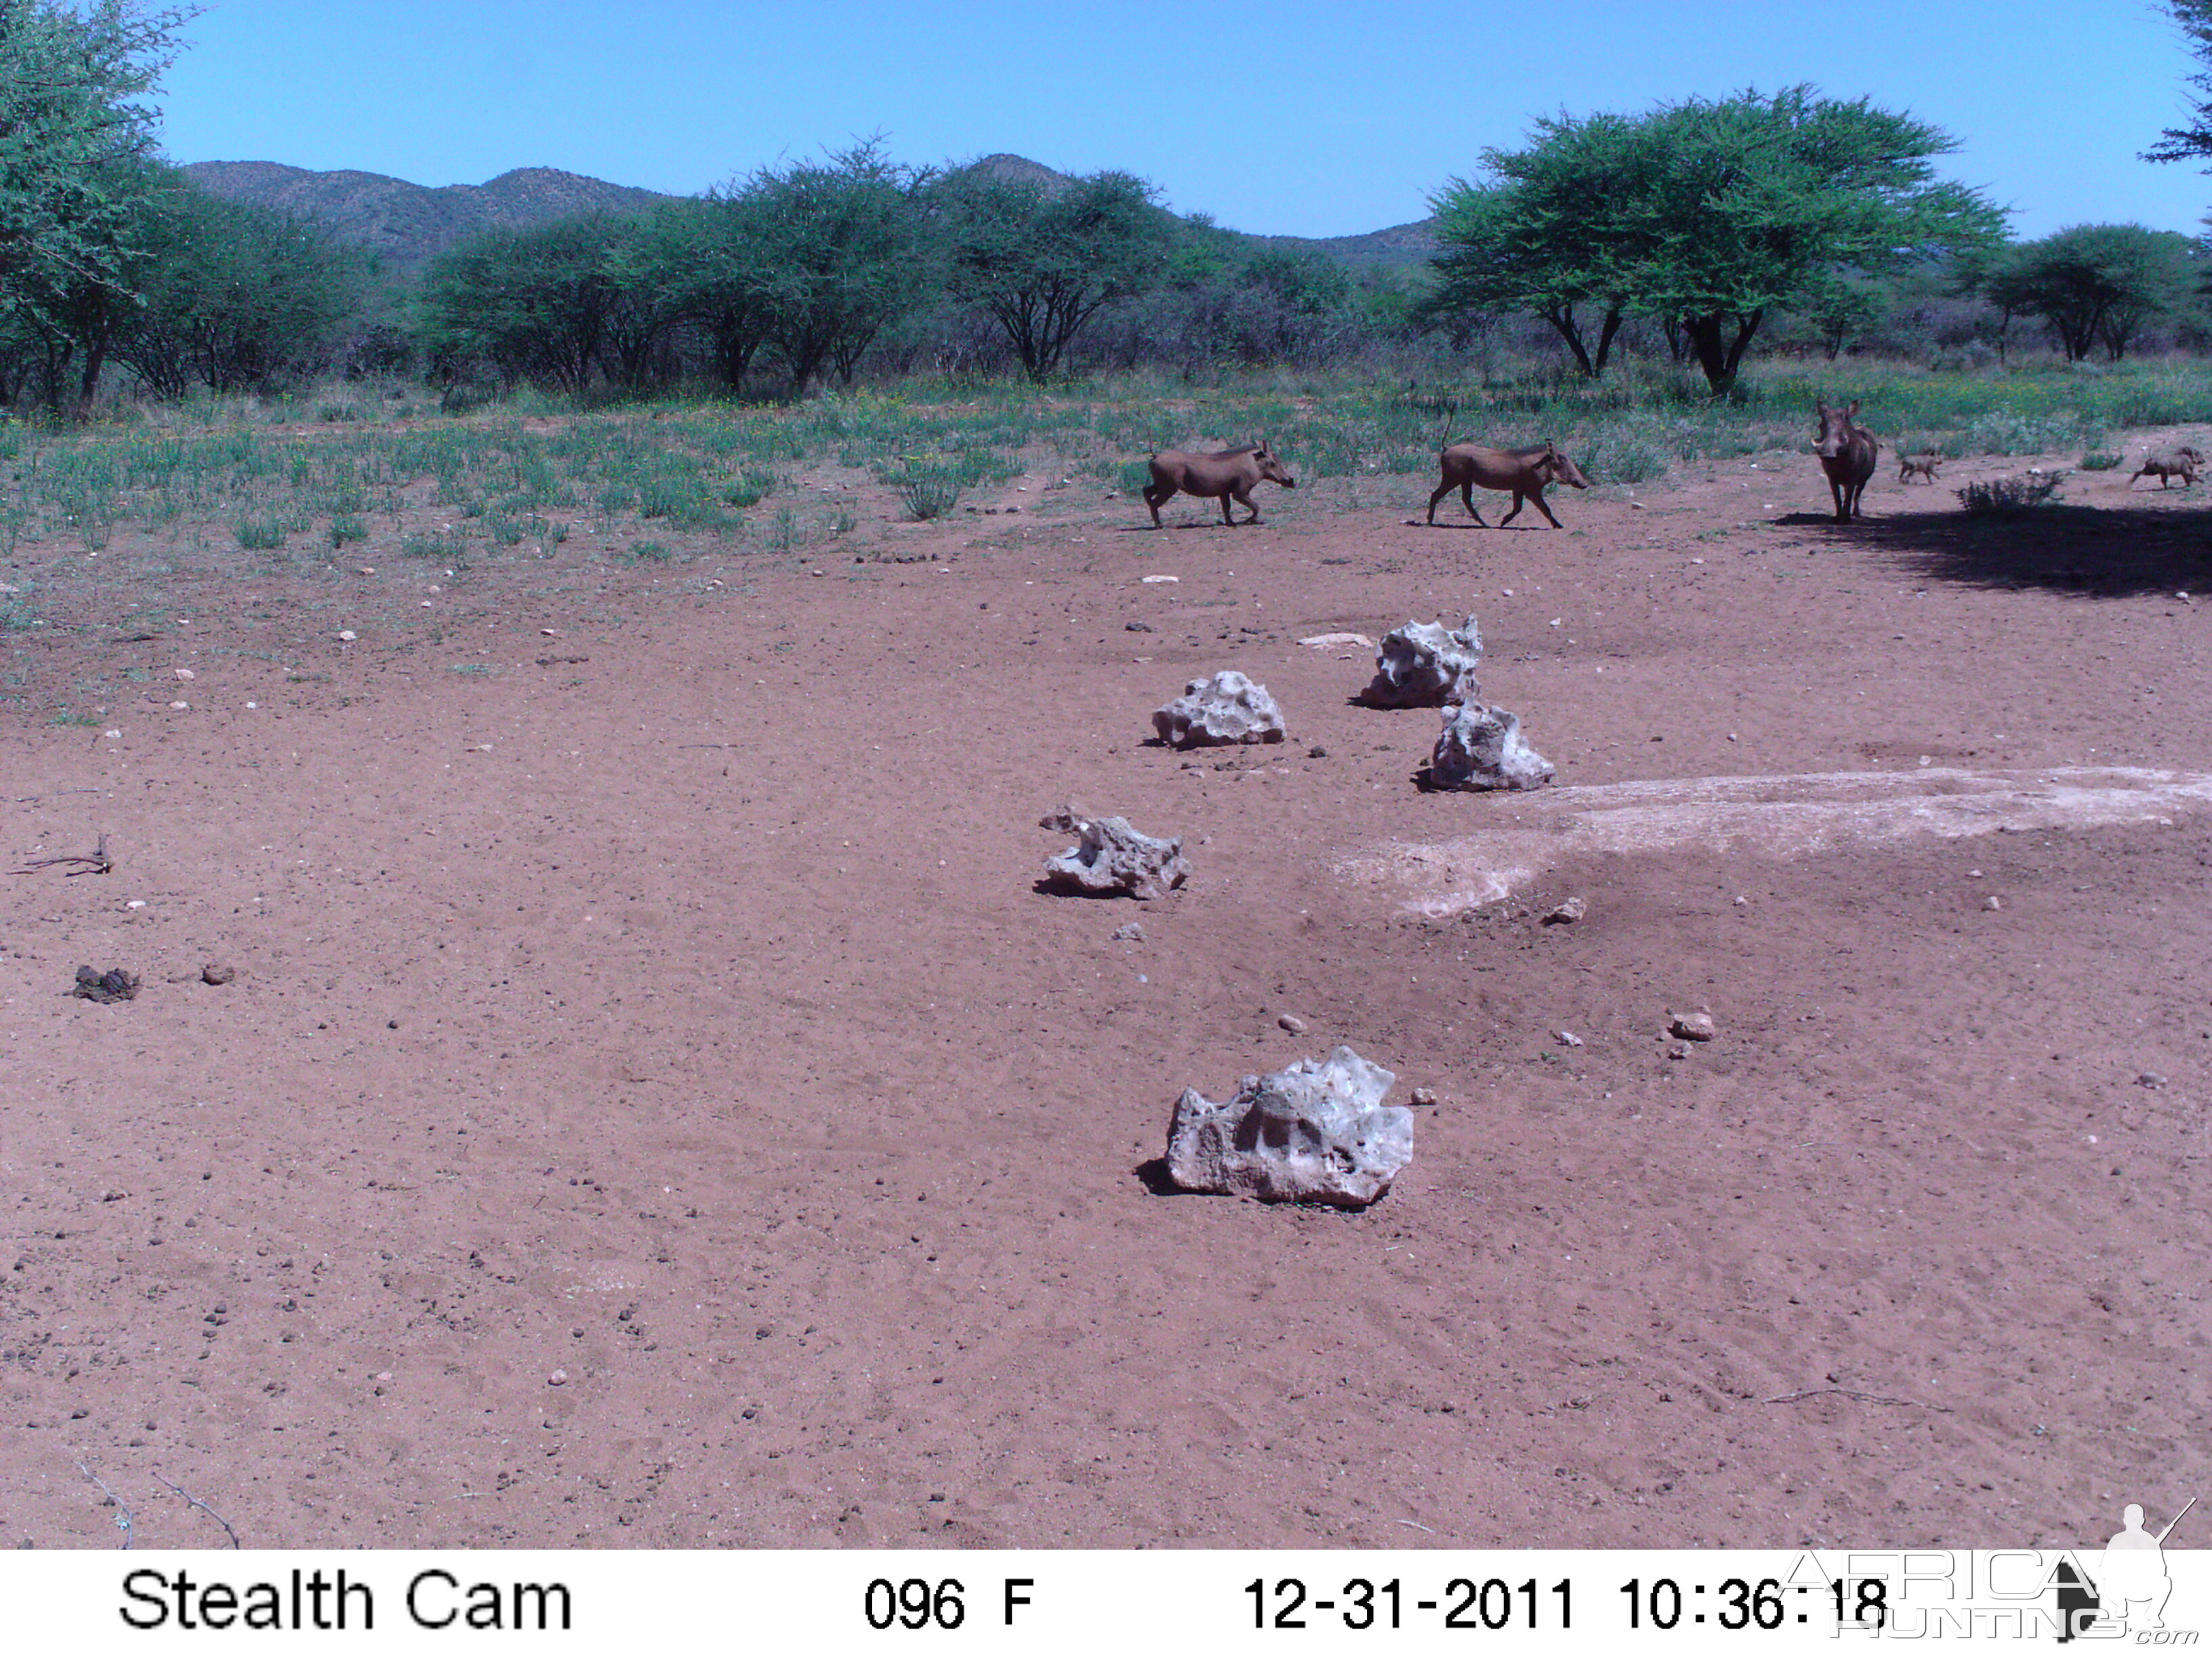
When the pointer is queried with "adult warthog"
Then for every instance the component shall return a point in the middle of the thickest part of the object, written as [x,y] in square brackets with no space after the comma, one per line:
[1848,453]
[1523,471]
[2184,461]
[1225,475]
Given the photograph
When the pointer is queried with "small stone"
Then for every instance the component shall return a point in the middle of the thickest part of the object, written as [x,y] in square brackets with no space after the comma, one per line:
[1424,1097]
[180,705]
[218,973]
[1680,1051]
[1697,1028]
[2150,1079]
[1567,1039]
[183,673]
[1129,933]
[559,1379]
[1993,902]
[1330,641]
[1291,1023]
[347,635]
[1138,628]
[550,632]
[1565,912]
[1317,753]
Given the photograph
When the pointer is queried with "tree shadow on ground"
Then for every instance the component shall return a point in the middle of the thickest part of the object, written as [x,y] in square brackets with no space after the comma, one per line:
[2093,552]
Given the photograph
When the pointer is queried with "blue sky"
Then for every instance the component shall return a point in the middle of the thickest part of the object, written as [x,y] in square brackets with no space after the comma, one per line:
[1304,119]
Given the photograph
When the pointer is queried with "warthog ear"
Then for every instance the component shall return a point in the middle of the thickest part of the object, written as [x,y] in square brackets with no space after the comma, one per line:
[1854,409]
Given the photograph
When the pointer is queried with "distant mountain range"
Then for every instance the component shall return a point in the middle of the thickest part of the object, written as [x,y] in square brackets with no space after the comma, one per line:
[409,224]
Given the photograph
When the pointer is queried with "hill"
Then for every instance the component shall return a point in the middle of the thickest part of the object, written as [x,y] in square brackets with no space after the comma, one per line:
[408,223]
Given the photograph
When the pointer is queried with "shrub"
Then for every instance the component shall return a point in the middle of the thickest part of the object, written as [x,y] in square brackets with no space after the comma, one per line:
[347,527]
[1998,496]
[261,533]
[748,487]
[432,547]
[2099,460]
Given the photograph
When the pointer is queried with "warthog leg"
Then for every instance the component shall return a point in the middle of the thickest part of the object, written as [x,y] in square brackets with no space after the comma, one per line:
[1536,496]
[1466,493]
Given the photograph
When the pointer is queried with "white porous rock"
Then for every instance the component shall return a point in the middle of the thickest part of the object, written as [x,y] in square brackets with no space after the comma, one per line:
[1315,1133]
[1426,665]
[1114,858]
[1481,748]
[1227,708]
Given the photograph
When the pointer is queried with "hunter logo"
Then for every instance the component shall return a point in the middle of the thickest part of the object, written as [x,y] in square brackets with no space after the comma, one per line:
[2129,1593]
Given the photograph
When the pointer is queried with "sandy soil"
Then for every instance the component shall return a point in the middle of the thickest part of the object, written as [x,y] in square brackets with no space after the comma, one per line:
[655,1106]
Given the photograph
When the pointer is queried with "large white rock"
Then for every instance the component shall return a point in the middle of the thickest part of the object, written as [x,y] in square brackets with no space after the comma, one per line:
[1424,664]
[1315,1133]
[1114,858]
[1227,708]
[1482,748]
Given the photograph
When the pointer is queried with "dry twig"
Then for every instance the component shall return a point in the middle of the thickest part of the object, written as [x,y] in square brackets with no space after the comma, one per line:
[94,863]
[124,1521]
[197,1504]
[1851,1394]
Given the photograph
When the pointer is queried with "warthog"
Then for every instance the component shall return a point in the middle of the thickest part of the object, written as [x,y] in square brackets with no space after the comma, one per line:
[1848,455]
[1225,475]
[1523,471]
[1924,467]
[2184,459]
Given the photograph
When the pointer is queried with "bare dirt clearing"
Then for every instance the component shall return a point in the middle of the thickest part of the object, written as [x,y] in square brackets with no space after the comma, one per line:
[654,1105]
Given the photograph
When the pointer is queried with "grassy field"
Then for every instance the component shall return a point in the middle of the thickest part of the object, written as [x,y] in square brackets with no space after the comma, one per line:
[291,483]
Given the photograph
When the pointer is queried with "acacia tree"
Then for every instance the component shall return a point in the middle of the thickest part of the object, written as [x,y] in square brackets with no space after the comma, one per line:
[837,251]
[1539,233]
[1041,259]
[535,304]
[75,141]
[2194,141]
[704,258]
[2094,284]
[1711,212]
[232,294]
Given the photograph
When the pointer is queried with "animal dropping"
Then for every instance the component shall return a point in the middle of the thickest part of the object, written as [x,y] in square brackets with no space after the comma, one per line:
[1315,1133]
[1523,473]
[1425,665]
[1226,475]
[1113,858]
[1482,748]
[116,985]
[1227,708]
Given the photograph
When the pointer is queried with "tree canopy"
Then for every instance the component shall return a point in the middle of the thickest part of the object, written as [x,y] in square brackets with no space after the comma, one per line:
[2095,284]
[1042,260]
[76,144]
[1709,213]
[2194,141]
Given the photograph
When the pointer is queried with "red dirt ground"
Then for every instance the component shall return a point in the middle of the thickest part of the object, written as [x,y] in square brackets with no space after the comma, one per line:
[655,1107]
